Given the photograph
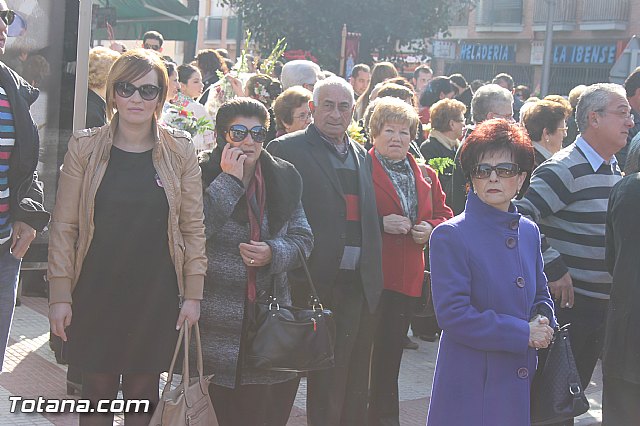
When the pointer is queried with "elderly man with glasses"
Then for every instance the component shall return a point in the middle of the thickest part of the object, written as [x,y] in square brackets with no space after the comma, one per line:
[568,200]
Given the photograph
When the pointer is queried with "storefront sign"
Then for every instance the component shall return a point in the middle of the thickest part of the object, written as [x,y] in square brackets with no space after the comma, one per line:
[487,52]
[444,49]
[537,53]
[584,53]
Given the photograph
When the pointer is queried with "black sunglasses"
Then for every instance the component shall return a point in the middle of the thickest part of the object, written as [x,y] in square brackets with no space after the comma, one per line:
[148,92]
[238,133]
[7,16]
[503,170]
[152,47]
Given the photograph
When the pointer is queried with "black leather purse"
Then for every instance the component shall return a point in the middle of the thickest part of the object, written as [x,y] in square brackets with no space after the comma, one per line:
[424,306]
[556,393]
[287,338]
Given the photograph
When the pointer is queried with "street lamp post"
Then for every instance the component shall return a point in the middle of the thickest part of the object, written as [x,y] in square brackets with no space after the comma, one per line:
[548,45]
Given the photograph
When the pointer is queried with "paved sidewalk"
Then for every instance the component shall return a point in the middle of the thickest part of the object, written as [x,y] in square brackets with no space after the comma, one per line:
[33,372]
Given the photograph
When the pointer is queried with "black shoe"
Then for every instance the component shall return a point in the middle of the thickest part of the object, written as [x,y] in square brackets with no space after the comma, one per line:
[429,337]
[410,344]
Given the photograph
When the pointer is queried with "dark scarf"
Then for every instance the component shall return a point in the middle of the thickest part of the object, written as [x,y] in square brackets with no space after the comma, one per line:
[255,197]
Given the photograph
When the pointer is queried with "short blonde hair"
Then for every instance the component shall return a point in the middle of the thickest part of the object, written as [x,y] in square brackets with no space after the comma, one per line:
[100,61]
[444,111]
[131,66]
[392,110]
[575,93]
[292,98]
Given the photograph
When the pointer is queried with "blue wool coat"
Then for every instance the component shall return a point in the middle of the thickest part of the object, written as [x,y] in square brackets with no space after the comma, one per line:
[488,281]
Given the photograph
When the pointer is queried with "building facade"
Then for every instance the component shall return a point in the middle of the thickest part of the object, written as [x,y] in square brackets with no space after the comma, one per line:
[218,27]
[509,36]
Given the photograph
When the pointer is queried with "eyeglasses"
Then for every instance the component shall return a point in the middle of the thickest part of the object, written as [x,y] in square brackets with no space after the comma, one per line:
[148,92]
[303,116]
[625,115]
[238,133]
[503,170]
[7,16]
[155,47]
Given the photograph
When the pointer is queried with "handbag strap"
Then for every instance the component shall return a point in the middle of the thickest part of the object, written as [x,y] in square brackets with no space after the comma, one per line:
[183,340]
[303,260]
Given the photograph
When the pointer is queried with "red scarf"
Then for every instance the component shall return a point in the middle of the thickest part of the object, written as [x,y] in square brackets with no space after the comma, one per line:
[255,206]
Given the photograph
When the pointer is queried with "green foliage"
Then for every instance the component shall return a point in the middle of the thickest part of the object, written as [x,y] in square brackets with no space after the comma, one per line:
[269,64]
[439,164]
[316,25]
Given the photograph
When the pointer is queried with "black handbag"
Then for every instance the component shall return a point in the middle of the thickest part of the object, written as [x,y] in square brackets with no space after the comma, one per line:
[424,307]
[556,393]
[287,338]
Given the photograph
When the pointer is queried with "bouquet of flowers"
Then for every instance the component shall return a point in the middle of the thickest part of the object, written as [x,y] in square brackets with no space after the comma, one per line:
[178,117]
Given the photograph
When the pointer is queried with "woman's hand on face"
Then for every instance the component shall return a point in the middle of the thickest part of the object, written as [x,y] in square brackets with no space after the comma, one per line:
[540,334]
[256,253]
[60,318]
[396,224]
[232,161]
[190,311]
[421,232]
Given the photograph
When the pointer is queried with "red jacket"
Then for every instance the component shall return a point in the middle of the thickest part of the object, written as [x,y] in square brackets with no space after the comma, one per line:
[402,258]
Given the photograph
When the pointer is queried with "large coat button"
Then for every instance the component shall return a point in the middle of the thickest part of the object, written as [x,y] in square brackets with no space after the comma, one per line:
[511,242]
[523,372]
[514,224]
[520,282]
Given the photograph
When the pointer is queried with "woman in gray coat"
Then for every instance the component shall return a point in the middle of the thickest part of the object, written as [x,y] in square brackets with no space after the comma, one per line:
[253,220]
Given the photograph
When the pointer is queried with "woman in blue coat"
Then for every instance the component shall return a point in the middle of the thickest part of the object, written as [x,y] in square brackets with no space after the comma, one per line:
[489,289]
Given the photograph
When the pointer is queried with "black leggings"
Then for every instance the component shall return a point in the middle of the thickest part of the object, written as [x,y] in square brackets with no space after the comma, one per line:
[97,386]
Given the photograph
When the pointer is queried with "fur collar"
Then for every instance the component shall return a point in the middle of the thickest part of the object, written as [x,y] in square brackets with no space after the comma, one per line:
[283,184]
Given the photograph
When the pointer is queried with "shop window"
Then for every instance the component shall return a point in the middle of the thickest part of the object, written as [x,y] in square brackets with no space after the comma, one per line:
[497,12]
[214,28]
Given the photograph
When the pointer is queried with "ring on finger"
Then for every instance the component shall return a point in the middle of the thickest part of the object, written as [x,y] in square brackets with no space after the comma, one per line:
[252,261]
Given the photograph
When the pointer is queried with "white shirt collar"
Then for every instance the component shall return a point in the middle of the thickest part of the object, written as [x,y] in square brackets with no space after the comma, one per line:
[594,159]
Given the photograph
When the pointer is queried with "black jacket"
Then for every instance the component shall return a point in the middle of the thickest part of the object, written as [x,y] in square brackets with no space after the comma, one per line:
[96,110]
[325,207]
[456,194]
[621,352]
[26,202]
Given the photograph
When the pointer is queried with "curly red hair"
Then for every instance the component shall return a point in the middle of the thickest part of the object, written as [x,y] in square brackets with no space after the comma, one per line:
[493,136]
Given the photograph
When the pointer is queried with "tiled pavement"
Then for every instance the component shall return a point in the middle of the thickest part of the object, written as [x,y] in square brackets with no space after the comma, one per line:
[33,372]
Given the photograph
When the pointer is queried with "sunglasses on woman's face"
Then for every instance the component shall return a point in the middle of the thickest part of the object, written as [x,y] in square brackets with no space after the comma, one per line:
[238,133]
[148,92]
[503,170]
[7,16]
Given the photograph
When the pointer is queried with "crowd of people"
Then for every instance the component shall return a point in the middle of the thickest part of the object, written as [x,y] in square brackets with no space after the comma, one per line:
[194,187]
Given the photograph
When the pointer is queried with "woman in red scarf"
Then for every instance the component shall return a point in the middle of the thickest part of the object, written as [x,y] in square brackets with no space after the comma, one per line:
[253,222]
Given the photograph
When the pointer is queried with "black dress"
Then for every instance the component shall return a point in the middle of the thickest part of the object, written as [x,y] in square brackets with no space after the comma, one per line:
[125,305]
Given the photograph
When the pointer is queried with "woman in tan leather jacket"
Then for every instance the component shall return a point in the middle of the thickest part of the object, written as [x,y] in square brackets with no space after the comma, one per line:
[127,243]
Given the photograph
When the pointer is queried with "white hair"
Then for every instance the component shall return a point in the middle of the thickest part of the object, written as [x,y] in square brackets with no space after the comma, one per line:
[486,99]
[299,72]
[335,82]
[595,98]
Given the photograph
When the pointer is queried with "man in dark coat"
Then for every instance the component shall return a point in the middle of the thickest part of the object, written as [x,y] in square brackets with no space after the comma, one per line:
[621,353]
[345,264]
[21,210]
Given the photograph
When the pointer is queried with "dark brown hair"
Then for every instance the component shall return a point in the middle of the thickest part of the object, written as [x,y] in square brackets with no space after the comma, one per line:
[544,114]
[239,107]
